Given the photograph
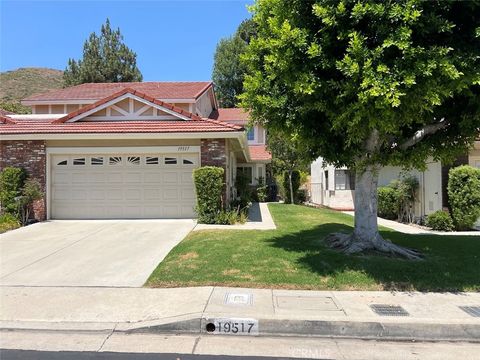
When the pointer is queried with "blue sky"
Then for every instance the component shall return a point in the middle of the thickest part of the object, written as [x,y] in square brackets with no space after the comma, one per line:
[174,40]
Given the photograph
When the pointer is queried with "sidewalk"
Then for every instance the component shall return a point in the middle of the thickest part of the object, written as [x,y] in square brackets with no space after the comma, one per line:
[409,229]
[342,314]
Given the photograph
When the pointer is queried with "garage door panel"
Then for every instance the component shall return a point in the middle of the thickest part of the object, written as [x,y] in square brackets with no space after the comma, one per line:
[127,186]
[133,194]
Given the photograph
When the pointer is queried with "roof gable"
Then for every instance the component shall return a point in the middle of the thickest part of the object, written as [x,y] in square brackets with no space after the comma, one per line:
[137,108]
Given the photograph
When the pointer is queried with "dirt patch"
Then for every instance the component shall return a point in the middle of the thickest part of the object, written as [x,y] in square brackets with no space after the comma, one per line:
[188,256]
[231,272]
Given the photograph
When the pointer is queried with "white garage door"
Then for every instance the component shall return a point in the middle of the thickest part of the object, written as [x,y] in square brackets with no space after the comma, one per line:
[113,186]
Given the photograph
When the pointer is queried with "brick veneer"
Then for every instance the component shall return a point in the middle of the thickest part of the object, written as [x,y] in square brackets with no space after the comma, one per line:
[30,155]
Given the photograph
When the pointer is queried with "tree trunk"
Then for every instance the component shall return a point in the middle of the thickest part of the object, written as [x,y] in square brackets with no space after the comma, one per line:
[365,234]
[292,200]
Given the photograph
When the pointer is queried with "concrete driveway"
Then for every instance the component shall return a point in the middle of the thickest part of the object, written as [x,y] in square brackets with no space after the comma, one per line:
[88,252]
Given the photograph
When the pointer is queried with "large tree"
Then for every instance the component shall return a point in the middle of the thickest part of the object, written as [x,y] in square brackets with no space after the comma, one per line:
[105,59]
[228,71]
[367,84]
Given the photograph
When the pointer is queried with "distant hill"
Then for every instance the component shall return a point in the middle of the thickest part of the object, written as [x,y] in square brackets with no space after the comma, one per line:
[18,84]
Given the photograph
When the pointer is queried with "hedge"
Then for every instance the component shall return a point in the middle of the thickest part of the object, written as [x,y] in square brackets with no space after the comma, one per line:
[464,196]
[11,184]
[387,203]
[208,186]
[440,220]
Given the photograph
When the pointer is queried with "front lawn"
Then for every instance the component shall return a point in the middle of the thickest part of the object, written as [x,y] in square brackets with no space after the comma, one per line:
[295,257]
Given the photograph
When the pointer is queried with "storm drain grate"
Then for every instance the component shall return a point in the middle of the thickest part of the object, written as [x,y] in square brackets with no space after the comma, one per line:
[389,310]
[471,310]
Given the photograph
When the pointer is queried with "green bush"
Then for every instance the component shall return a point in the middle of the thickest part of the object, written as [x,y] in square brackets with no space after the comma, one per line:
[387,203]
[227,217]
[208,186]
[244,191]
[464,196]
[31,191]
[295,186]
[261,190]
[11,184]
[8,222]
[440,220]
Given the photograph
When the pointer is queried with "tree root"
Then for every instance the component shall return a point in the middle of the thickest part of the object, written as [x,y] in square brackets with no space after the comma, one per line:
[351,244]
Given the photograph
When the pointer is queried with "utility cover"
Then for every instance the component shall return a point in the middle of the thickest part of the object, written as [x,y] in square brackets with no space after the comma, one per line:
[389,310]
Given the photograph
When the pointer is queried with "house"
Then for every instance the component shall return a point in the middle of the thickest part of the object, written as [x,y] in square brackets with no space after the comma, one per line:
[335,187]
[128,150]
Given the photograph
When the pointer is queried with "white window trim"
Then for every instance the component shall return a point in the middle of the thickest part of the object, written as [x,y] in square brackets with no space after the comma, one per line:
[252,166]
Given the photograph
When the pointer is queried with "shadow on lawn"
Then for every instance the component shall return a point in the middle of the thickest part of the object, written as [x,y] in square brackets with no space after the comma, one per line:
[450,264]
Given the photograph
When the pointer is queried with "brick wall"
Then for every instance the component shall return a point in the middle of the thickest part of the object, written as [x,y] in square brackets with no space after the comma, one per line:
[213,152]
[30,155]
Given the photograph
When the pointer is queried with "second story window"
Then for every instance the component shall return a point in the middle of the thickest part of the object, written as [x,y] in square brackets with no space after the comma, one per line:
[251,134]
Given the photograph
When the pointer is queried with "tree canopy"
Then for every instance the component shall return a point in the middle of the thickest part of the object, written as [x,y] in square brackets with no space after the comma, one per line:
[105,59]
[228,71]
[366,84]
[343,74]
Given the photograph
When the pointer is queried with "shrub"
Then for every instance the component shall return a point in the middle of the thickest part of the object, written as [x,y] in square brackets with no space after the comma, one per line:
[8,222]
[244,191]
[227,217]
[440,220]
[464,196]
[11,184]
[295,186]
[387,203]
[261,190]
[31,191]
[208,186]
[406,190]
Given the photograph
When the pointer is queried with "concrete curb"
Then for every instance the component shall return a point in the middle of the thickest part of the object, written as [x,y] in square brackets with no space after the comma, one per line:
[406,331]
[340,329]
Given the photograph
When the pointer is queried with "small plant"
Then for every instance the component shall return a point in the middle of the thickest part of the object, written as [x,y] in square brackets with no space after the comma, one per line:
[8,222]
[387,203]
[440,221]
[11,184]
[227,217]
[262,190]
[464,196]
[31,191]
[208,186]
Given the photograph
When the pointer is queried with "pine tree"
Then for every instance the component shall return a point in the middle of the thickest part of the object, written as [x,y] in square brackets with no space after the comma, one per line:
[105,59]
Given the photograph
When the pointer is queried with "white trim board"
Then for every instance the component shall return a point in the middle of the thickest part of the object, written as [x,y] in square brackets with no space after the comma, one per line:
[123,149]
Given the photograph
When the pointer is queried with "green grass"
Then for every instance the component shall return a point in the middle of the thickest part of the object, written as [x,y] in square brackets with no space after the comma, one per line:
[294,257]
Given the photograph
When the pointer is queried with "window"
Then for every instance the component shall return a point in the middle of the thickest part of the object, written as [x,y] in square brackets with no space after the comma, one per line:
[133,160]
[115,160]
[247,172]
[79,161]
[344,180]
[251,134]
[170,161]
[63,162]
[151,160]
[326,179]
[96,160]
[187,162]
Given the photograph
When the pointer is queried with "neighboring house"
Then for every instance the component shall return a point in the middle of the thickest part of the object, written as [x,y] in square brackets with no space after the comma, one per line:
[5,112]
[335,187]
[127,150]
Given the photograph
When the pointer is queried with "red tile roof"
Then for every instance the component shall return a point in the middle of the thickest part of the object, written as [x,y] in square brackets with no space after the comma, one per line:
[123,92]
[259,153]
[233,115]
[6,120]
[111,127]
[97,91]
